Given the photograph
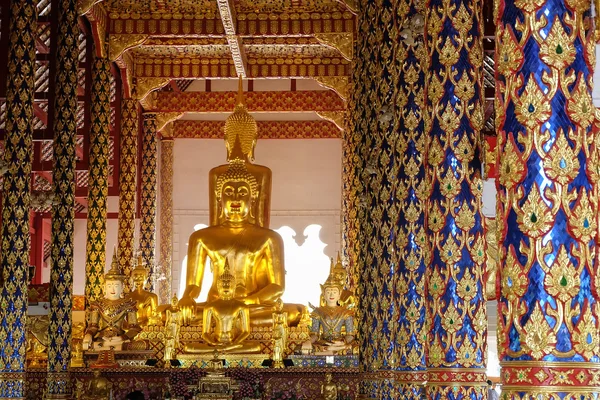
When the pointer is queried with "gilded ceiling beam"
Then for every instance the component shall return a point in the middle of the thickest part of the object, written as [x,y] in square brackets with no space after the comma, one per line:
[98,18]
[273,24]
[343,42]
[119,43]
[266,129]
[228,18]
[298,101]
[165,118]
[201,67]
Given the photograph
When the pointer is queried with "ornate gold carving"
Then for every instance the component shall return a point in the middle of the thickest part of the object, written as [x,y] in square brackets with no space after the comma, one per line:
[162,119]
[343,42]
[351,5]
[83,6]
[143,86]
[337,83]
[237,52]
[337,117]
[118,43]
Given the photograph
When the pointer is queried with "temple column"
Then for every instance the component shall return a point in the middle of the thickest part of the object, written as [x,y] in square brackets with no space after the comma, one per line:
[166,218]
[18,152]
[548,311]
[148,194]
[63,213]
[127,187]
[375,134]
[98,181]
[456,362]
[412,243]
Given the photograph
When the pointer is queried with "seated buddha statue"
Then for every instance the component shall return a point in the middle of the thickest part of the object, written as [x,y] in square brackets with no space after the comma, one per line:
[240,140]
[231,320]
[254,253]
[113,320]
[98,388]
[326,336]
[146,302]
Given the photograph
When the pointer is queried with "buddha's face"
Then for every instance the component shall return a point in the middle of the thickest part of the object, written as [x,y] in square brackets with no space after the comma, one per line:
[332,295]
[139,279]
[235,199]
[113,289]
[225,289]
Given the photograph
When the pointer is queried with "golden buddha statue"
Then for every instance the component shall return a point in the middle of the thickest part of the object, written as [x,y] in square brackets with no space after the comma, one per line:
[172,325]
[279,334]
[146,302]
[240,139]
[254,253]
[98,388]
[326,336]
[231,319]
[329,389]
[113,320]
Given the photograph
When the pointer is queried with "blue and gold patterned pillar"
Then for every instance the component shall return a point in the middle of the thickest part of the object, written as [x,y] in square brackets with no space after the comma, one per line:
[456,304]
[148,194]
[127,186]
[412,237]
[98,180]
[16,197]
[377,129]
[63,213]
[548,332]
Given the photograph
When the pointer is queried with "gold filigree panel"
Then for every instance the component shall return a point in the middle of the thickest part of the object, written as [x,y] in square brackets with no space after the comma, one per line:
[285,50]
[161,6]
[182,51]
[287,5]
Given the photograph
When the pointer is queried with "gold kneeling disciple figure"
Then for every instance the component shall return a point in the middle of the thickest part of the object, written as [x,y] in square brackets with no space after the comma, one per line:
[231,319]
[113,320]
[254,253]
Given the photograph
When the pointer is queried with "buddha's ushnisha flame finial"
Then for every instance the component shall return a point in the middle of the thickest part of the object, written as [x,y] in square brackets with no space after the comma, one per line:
[114,273]
[240,126]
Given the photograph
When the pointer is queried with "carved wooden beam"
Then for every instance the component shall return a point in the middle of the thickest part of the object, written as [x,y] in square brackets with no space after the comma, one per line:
[266,129]
[298,101]
[229,20]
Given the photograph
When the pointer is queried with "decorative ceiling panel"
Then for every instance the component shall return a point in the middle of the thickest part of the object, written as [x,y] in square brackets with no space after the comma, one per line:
[174,41]
[161,6]
[290,50]
[212,51]
[287,5]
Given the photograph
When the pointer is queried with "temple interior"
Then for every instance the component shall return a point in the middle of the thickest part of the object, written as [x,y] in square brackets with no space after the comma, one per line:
[299,199]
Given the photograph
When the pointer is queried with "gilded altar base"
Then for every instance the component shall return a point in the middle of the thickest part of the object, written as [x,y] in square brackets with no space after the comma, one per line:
[154,336]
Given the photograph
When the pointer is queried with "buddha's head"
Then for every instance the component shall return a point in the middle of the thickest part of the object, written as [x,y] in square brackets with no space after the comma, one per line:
[226,283]
[236,190]
[240,131]
[139,274]
[113,280]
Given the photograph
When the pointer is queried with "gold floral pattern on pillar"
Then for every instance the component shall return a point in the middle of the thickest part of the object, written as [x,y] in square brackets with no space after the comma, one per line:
[98,181]
[166,218]
[456,299]
[127,187]
[16,197]
[63,212]
[148,195]
[548,315]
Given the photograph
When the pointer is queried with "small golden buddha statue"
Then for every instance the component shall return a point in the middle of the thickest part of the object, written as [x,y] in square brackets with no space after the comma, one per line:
[240,139]
[326,336]
[254,253]
[329,389]
[113,320]
[231,320]
[280,331]
[172,325]
[146,302]
[98,388]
